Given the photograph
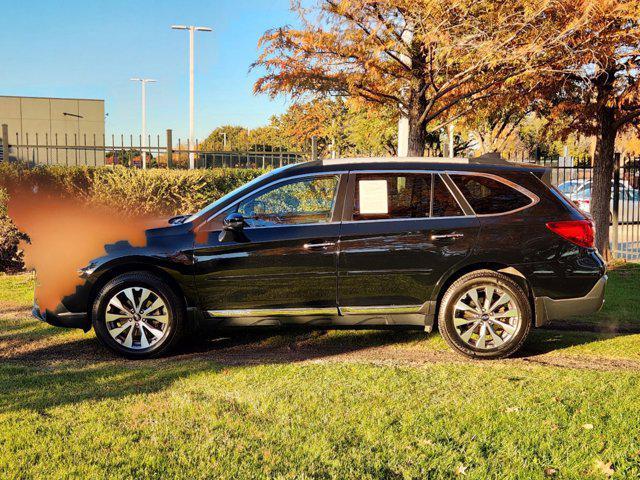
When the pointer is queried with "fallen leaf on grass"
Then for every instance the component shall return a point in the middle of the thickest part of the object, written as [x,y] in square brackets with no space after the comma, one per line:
[550,472]
[605,468]
[461,470]
[587,426]
[512,409]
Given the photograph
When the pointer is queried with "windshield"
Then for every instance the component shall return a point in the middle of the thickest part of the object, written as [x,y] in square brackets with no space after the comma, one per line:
[246,187]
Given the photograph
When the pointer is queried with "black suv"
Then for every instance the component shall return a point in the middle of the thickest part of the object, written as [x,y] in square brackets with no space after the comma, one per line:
[489,250]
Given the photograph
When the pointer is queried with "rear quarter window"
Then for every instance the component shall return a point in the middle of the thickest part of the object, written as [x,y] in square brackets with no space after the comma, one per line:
[489,196]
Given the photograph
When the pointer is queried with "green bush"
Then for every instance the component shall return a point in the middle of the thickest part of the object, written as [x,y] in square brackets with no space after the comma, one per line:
[127,191]
[11,258]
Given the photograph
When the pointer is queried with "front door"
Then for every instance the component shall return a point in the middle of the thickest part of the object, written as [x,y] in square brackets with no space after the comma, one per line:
[284,261]
[403,231]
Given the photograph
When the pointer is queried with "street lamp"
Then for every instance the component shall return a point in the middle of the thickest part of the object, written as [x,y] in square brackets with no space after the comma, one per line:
[143,84]
[192,30]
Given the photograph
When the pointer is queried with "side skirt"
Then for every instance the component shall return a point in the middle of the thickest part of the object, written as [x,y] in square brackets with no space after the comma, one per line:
[344,317]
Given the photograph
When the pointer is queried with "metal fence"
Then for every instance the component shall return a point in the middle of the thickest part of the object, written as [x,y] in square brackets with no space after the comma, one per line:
[573,177]
[130,151]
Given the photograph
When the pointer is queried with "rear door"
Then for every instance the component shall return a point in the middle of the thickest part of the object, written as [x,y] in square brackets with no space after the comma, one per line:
[401,232]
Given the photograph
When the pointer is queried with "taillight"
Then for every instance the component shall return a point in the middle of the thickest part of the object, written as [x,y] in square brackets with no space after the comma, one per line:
[578,232]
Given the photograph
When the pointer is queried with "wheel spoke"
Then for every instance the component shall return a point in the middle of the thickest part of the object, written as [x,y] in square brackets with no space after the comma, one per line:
[128,342]
[497,339]
[118,330]
[482,336]
[129,294]
[488,297]
[162,318]
[112,317]
[505,298]
[510,329]
[144,343]
[466,336]
[115,302]
[461,322]
[473,293]
[464,307]
[143,298]
[154,306]
[507,314]
[154,331]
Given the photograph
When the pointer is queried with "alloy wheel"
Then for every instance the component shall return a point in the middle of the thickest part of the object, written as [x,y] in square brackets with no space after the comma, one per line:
[137,318]
[486,317]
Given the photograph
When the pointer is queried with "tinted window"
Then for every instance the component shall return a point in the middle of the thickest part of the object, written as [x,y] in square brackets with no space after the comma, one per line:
[388,195]
[444,205]
[487,196]
[308,200]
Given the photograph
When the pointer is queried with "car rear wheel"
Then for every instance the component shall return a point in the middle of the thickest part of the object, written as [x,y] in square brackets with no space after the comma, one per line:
[485,314]
[137,315]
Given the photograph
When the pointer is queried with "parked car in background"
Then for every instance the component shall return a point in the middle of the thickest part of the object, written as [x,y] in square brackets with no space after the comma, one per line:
[486,251]
[570,186]
[579,191]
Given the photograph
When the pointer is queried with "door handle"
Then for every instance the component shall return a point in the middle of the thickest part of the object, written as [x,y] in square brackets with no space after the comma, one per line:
[318,246]
[448,236]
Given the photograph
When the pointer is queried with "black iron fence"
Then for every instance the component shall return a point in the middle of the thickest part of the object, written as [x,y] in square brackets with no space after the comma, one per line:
[130,151]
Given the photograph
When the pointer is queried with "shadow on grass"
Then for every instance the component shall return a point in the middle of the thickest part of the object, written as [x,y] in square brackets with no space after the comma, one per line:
[25,387]
[542,341]
[82,370]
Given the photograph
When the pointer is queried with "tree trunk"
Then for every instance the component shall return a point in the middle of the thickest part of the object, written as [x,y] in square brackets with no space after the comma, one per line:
[417,128]
[603,165]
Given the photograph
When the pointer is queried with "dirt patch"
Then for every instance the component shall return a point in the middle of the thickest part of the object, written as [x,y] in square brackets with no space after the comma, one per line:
[386,348]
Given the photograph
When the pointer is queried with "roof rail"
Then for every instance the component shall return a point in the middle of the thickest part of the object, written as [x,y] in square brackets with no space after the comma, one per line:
[493,158]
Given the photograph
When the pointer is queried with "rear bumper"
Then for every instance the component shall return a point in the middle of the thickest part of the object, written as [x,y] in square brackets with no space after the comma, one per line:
[549,309]
[62,318]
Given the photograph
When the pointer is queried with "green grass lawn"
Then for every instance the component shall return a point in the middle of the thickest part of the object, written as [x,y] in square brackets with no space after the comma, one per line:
[68,409]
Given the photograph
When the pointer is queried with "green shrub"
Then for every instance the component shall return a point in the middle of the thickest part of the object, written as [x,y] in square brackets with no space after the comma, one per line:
[164,191]
[11,258]
[154,191]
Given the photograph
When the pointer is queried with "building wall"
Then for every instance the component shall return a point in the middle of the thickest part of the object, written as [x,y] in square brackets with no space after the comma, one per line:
[74,123]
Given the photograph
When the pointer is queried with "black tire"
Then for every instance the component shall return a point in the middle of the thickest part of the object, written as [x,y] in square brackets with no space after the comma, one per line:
[175,312]
[467,282]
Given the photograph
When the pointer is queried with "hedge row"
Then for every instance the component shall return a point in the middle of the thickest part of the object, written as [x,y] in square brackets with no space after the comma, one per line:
[156,191]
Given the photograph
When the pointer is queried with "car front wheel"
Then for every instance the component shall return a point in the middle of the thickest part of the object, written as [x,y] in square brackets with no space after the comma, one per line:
[138,315]
[485,314]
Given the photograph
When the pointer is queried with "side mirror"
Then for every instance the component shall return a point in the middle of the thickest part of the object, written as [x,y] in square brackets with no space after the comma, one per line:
[233,222]
[232,229]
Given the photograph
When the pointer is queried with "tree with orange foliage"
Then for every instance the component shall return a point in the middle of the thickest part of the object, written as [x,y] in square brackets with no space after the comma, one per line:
[595,91]
[423,57]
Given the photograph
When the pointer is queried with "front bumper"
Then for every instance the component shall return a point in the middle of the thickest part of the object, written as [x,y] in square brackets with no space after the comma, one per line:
[549,309]
[62,318]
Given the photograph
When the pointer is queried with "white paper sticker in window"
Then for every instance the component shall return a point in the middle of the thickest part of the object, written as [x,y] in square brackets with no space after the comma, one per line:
[374,199]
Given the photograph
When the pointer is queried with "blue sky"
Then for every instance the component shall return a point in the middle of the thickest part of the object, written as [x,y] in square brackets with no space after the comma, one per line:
[90,49]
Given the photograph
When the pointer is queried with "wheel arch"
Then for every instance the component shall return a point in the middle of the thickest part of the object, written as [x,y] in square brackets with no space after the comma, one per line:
[134,265]
[452,275]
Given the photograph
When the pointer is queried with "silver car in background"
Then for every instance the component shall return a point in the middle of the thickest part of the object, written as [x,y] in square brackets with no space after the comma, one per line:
[579,191]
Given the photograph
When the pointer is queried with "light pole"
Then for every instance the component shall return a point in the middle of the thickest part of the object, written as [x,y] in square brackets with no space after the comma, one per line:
[143,146]
[192,30]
